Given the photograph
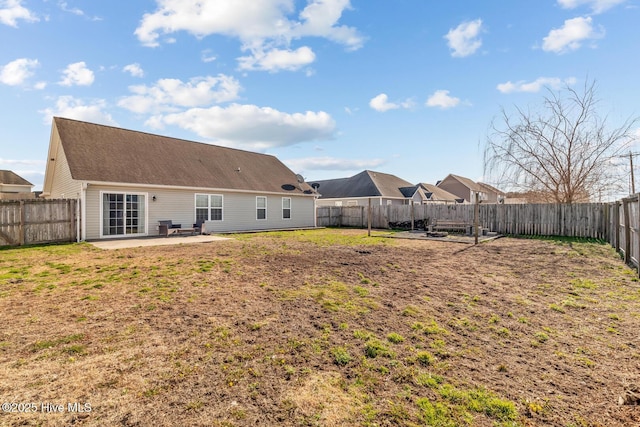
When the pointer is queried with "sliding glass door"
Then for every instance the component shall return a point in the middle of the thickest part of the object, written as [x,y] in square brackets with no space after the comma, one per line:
[123,214]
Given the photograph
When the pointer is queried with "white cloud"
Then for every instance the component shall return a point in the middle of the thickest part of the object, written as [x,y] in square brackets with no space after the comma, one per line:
[77,74]
[277,59]
[443,100]
[597,6]
[332,163]
[206,56]
[251,127]
[536,85]
[64,6]
[40,85]
[463,40]
[16,72]
[73,108]
[134,69]
[12,10]
[381,103]
[262,26]
[320,18]
[571,35]
[167,95]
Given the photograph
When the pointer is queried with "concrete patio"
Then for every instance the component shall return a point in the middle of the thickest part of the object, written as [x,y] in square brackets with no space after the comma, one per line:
[155,241]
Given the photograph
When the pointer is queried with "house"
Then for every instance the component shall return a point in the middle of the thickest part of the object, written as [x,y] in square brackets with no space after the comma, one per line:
[436,195]
[128,181]
[13,186]
[466,189]
[493,195]
[381,188]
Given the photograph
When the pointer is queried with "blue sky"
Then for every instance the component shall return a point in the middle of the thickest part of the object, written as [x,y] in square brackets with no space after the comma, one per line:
[331,87]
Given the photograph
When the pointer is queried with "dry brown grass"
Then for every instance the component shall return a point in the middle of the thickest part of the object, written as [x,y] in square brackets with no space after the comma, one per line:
[244,332]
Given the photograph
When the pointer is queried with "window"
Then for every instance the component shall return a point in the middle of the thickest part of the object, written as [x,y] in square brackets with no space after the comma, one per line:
[261,207]
[389,202]
[286,208]
[352,203]
[338,203]
[208,207]
[123,214]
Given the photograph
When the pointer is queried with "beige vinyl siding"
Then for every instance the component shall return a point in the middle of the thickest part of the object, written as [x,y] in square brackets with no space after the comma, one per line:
[239,210]
[63,186]
[240,213]
[455,187]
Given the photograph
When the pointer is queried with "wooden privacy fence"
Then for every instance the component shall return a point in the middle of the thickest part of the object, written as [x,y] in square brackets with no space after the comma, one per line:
[575,220]
[625,229]
[27,222]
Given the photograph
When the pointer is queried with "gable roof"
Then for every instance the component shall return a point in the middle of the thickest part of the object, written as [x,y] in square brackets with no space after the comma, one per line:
[12,178]
[438,193]
[470,184]
[99,153]
[366,184]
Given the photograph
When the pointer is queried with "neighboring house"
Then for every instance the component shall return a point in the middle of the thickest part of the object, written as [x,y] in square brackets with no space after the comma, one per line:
[127,181]
[381,188]
[14,187]
[462,187]
[436,195]
[493,195]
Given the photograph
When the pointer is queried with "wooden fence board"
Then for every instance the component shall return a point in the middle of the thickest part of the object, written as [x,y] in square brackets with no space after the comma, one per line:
[35,221]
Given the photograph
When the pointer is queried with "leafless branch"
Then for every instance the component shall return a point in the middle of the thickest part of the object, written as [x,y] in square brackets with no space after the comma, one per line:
[563,152]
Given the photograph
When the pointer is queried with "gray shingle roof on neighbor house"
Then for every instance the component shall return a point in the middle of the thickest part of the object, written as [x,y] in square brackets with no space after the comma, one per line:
[99,153]
[366,184]
[12,178]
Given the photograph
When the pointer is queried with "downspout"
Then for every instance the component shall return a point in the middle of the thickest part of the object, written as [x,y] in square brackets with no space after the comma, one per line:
[315,211]
[83,208]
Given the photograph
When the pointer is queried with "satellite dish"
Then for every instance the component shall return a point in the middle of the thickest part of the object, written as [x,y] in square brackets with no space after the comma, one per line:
[315,186]
[300,178]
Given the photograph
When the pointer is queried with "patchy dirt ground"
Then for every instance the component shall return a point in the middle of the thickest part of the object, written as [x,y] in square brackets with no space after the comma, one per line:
[323,327]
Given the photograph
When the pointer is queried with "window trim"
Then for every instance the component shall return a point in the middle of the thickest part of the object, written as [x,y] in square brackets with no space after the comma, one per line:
[289,208]
[208,207]
[260,208]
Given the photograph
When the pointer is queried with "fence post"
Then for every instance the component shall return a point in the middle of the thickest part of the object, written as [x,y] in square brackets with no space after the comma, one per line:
[616,226]
[638,232]
[369,219]
[23,219]
[627,230]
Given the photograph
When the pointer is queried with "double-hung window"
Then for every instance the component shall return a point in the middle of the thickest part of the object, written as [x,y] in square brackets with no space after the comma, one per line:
[286,208]
[261,207]
[209,207]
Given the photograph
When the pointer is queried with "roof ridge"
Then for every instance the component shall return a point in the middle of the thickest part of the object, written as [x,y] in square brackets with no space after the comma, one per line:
[158,135]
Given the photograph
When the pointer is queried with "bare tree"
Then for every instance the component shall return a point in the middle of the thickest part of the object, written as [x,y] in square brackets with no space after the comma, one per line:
[564,153]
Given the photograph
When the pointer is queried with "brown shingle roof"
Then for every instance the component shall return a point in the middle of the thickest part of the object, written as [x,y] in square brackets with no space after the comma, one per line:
[438,193]
[470,184]
[109,154]
[12,178]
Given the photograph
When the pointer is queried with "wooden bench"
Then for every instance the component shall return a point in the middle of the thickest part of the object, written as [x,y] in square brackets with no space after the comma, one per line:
[167,228]
[450,225]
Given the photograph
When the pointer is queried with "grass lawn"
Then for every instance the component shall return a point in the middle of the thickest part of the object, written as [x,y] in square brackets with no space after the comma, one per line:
[319,328]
